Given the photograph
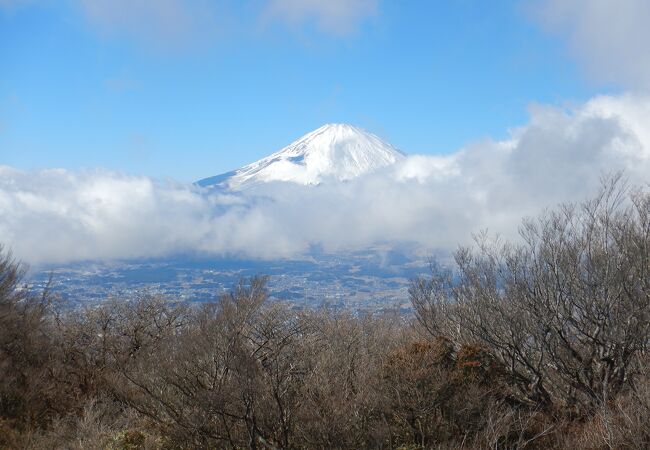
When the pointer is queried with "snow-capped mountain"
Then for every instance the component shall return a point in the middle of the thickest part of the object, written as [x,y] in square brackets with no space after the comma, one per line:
[333,151]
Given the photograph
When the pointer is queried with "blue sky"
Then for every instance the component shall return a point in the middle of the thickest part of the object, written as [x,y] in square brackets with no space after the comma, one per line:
[214,85]
[505,107]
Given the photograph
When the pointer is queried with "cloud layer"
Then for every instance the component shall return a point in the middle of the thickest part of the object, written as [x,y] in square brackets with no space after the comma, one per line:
[55,216]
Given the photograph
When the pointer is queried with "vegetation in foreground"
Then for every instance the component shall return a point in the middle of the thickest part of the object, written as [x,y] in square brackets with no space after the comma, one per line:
[537,344]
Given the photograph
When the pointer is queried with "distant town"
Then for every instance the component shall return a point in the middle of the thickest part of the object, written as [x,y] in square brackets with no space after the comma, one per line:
[361,282]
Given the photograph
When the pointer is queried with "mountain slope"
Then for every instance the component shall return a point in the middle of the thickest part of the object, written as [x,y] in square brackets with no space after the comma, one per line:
[336,151]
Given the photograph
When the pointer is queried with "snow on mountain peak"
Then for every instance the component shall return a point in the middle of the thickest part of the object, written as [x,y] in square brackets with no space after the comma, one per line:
[338,151]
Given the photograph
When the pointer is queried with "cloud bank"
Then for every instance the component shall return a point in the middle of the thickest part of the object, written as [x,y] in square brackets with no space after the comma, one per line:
[435,202]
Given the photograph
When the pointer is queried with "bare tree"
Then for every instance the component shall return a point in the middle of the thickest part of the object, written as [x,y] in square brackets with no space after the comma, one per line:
[567,311]
[26,396]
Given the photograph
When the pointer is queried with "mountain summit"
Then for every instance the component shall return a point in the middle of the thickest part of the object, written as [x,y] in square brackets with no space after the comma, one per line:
[337,151]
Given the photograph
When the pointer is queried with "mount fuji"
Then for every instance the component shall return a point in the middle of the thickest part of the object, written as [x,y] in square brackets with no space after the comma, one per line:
[367,278]
[333,151]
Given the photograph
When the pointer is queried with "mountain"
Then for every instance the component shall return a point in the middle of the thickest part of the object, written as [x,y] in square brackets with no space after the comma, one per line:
[335,151]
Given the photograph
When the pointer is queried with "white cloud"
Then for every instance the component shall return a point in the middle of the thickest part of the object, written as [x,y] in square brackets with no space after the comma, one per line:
[333,16]
[167,23]
[609,37]
[9,5]
[433,202]
[180,24]
[58,216]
